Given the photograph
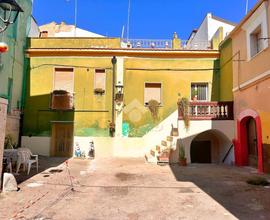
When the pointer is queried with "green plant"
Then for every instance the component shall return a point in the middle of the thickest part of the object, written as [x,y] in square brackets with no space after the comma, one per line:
[194,93]
[153,106]
[182,153]
[9,142]
[99,91]
[183,104]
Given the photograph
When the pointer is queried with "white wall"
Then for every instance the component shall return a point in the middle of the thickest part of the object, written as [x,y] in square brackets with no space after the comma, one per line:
[79,33]
[226,127]
[38,145]
[214,25]
[138,147]
[208,28]
[34,30]
[113,147]
[202,33]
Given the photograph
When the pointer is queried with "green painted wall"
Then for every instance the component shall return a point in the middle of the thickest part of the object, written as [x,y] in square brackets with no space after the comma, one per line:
[226,71]
[12,62]
[89,118]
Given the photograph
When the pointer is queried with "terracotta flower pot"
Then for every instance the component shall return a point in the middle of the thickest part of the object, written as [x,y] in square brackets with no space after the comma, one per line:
[183,162]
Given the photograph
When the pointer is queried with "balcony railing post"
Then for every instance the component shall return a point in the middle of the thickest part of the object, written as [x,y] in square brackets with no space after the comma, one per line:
[210,111]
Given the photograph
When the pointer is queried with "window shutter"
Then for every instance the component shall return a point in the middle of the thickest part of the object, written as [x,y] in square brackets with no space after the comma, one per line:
[100,79]
[152,91]
[64,79]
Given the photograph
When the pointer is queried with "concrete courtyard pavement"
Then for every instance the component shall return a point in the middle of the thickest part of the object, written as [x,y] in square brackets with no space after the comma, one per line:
[131,189]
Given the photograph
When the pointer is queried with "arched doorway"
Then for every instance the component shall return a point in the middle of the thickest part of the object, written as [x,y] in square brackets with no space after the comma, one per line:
[248,151]
[252,142]
[211,146]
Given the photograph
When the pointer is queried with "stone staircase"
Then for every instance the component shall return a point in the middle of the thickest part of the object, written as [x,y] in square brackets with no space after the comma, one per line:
[161,153]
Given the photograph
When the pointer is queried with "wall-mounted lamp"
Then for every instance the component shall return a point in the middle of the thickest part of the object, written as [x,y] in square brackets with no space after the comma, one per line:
[119,87]
[119,96]
[10,12]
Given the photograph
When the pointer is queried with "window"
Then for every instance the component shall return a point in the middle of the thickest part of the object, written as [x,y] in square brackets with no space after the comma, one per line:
[199,91]
[64,79]
[256,41]
[100,80]
[256,28]
[152,91]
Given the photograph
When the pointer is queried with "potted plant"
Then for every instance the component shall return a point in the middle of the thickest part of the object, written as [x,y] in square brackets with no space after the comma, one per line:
[9,142]
[99,91]
[194,95]
[182,156]
[153,106]
[183,105]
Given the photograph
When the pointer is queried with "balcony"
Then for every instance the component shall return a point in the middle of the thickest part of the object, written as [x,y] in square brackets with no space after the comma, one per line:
[209,111]
[62,100]
[165,44]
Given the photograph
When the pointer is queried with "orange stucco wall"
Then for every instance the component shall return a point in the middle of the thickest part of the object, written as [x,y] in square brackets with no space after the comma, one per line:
[253,93]
[244,69]
[257,98]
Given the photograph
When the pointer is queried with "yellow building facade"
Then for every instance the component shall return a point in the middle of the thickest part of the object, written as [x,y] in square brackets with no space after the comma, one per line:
[110,89]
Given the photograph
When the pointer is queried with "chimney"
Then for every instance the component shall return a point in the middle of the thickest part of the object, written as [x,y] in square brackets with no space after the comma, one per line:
[43,34]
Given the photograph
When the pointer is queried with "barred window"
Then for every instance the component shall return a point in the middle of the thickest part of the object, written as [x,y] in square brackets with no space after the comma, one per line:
[200,90]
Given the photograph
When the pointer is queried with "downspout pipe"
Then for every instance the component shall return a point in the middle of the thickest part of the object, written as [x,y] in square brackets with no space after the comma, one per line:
[114,62]
[24,88]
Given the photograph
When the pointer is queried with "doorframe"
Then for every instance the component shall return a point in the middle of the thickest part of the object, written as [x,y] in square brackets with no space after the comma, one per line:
[241,148]
[59,122]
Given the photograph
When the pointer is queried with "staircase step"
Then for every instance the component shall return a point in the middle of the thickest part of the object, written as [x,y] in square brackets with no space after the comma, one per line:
[164,143]
[151,159]
[153,153]
[170,138]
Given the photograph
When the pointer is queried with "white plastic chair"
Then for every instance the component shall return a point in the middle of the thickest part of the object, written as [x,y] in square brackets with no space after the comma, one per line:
[26,158]
[33,159]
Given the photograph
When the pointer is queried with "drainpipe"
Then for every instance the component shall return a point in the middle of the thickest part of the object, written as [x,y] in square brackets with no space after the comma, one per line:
[114,61]
[23,96]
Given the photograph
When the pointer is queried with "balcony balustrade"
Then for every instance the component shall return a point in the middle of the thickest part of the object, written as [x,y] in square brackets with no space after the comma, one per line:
[209,111]
[164,44]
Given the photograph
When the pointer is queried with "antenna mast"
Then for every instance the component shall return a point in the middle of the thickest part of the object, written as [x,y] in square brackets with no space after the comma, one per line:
[75,14]
[128,20]
[246,6]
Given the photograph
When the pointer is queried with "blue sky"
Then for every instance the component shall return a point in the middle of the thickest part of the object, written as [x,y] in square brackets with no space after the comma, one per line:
[152,19]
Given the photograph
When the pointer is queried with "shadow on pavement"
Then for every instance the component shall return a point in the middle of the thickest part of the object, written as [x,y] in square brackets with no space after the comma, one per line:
[44,164]
[227,186]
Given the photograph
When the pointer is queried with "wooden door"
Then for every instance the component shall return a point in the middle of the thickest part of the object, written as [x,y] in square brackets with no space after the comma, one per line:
[252,143]
[200,152]
[62,140]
